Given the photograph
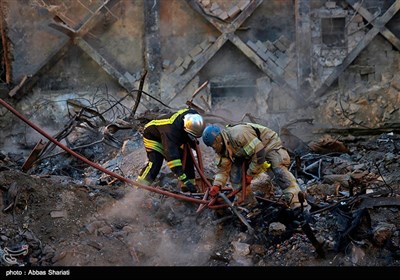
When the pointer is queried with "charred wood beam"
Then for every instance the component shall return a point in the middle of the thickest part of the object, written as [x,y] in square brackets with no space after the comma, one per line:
[379,26]
[371,202]
[103,63]
[62,27]
[34,155]
[193,105]
[152,53]
[303,45]
[310,234]
[362,131]
[139,94]
[196,107]
[5,43]
[371,19]
[237,213]
[205,102]
[108,68]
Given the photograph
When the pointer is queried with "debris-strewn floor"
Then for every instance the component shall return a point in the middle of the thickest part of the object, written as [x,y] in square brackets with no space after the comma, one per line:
[95,221]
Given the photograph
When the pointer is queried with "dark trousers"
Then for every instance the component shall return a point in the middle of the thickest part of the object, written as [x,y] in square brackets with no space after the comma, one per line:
[155,160]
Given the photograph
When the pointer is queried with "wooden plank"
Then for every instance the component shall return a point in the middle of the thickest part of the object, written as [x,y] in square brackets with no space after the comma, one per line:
[356,131]
[378,27]
[33,156]
[391,38]
[15,89]
[370,18]
[372,202]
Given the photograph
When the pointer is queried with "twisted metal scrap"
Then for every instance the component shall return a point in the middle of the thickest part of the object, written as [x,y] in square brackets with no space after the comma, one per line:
[7,256]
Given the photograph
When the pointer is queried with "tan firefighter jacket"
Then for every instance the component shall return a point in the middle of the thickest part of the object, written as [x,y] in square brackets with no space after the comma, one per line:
[244,141]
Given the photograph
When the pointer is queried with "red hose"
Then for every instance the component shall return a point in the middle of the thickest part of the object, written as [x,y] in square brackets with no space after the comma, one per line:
[115,175]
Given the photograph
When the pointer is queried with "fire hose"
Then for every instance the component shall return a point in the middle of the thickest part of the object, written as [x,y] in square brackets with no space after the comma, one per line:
[204,202]
[113,174]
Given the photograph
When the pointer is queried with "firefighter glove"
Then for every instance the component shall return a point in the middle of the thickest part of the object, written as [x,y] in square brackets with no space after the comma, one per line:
[265,166]
[248,179]
[214,190]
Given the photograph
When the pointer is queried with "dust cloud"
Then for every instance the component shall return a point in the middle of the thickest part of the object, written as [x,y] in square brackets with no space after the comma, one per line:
[160,230]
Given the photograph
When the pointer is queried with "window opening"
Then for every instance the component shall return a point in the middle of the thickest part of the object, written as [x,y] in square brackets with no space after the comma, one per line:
[333,32]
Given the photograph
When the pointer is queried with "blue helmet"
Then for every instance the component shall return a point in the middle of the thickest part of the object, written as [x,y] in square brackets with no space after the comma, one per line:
[210,133]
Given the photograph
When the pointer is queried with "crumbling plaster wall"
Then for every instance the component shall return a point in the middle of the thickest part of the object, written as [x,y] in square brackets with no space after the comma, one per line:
[269,32]
[366,92]
[117,36]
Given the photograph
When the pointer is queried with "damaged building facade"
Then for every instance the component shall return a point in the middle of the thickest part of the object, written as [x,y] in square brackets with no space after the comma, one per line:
[334,62]
[89,74]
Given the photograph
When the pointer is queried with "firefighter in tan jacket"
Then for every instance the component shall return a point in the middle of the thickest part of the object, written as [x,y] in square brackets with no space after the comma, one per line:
[259,147]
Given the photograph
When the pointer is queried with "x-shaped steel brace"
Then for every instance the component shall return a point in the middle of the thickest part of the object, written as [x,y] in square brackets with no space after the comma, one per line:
[76,37]
[228,34]
[378,27]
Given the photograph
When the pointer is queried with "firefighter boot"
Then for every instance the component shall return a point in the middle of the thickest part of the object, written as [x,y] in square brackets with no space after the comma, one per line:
[188,186]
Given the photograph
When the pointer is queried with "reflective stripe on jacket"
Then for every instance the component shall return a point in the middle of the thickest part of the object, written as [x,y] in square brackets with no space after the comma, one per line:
[166,135]
[242,141]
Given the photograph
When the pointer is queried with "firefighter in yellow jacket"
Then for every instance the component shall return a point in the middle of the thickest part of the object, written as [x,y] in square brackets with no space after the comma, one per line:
[259,147]
[164,138]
